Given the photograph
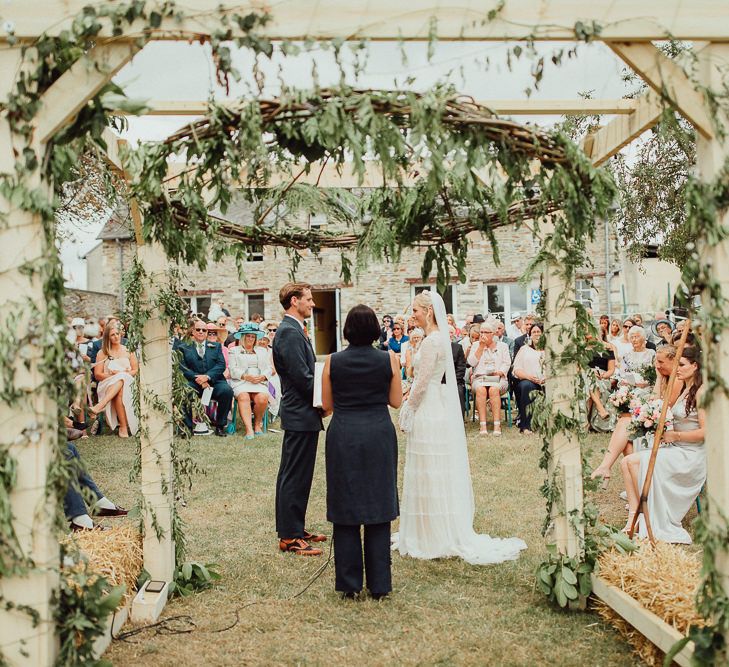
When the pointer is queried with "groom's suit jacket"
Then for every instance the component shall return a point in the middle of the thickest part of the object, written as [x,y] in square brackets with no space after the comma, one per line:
[294,360]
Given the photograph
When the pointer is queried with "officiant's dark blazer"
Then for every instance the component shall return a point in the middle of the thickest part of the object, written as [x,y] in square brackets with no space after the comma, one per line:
[212,364]
[294,360]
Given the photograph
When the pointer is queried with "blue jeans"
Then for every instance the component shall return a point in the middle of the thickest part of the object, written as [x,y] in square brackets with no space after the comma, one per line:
[73,502]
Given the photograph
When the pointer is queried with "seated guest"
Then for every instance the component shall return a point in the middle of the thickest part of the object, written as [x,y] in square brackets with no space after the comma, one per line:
[237,323]
[265,342]
[459,364]
[385,331]
[615,332]
[490,361]
[74,505]
[416,337]
[599,382]
[500,335]
[620,440]
[217,333]
[271,329]
[250,370]
[114,370]
[474,335]
[358,384]
[529,372]
[680,468]
[452,323]
[623,344]
[664,329]
[636,358]
[203,365]
[398,337]
[515,328]
[523,339]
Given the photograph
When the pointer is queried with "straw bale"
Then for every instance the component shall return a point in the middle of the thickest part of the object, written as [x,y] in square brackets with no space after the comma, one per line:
[115,554]
[664,580]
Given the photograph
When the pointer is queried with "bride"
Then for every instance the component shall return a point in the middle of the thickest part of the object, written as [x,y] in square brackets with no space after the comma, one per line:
[436,514]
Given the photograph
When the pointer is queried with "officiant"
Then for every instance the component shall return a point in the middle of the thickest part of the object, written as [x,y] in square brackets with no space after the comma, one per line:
[358,384]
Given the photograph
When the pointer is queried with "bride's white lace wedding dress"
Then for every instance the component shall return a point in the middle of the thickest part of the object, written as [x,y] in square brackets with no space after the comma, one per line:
[436,513]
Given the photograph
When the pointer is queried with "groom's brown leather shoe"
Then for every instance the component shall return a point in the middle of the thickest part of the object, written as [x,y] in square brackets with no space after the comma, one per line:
[298,546]
[314,537]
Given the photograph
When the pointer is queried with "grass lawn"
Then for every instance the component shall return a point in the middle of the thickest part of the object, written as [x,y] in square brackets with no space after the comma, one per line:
[443,612]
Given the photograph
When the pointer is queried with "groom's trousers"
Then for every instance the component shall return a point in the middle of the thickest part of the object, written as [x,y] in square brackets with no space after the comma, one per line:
[293,485]
[348,563]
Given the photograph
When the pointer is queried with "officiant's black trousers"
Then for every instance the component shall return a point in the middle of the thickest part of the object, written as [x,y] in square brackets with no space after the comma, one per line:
[298,456]
[349,566]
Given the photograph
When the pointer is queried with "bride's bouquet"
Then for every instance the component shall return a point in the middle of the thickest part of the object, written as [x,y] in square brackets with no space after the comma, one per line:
[622,397]
[644,415]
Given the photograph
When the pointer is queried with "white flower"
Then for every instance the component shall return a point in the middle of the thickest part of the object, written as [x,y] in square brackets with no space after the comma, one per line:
[9,27]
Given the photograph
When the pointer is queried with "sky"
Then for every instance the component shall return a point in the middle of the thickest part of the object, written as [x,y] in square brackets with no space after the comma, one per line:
[181,71]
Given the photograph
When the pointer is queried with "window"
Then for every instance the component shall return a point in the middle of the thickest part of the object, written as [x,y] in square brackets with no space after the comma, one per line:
[449,296]
[584,292]
[198,305]
[255,305]
[317,220]
[255,253]
[503,299]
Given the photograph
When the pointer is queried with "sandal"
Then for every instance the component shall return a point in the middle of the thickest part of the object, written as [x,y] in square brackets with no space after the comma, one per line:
[484,429]
[497,428]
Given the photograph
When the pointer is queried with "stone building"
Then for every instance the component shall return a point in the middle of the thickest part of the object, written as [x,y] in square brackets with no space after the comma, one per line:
[386,287]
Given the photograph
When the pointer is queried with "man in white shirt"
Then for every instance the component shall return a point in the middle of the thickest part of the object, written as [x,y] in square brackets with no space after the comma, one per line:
[491,361]
[514,330]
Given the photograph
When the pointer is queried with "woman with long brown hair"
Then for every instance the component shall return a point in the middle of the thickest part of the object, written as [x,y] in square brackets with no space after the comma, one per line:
[680,469]
[115,369]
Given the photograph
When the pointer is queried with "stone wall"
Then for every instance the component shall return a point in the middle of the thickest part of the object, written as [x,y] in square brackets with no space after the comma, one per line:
[83,303]
[386,287]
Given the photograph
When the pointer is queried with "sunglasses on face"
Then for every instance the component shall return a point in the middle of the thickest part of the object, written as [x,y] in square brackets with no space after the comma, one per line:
[627,326]
[212,333]
[200,329]
[272,330]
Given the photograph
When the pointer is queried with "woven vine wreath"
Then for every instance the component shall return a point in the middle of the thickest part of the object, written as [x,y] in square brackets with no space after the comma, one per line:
[449,167]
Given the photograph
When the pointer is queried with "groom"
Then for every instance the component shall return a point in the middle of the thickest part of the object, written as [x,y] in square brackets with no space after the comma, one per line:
[294,360]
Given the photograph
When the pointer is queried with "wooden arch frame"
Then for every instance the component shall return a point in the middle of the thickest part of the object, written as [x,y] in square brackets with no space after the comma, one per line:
[627,27]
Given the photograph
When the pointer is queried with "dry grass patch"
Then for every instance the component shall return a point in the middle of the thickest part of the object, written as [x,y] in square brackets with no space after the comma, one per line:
[443,612]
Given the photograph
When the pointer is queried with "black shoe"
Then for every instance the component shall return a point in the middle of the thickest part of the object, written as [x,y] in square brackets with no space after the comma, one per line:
[221,432]
[379,596]
[349,595]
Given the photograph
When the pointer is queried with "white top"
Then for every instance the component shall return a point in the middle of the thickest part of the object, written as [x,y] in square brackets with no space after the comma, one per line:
[529,361]
[241,362]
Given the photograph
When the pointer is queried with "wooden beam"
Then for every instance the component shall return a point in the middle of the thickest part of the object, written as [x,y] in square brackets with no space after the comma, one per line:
[620,131]
[711,156]
[28,425]
[67,96]
[501,107]
[654,628]
[457,20]
[668,79]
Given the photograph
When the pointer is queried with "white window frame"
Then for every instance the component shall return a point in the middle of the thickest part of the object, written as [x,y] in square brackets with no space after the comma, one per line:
[255,255]
[318,220]
[454,295]
[193,301]
[581,290]
[507,300]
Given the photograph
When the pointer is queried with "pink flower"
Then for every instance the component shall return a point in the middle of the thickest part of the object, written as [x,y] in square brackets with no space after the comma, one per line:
[648,423]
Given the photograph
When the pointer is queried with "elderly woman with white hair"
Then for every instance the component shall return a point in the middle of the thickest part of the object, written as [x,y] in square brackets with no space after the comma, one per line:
[637,359]
[490,360]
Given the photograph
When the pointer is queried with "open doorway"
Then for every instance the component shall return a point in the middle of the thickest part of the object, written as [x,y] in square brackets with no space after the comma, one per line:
[325,324]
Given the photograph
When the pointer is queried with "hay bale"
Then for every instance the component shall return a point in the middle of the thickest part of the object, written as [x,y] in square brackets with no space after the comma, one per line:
[115,554]
[664,580]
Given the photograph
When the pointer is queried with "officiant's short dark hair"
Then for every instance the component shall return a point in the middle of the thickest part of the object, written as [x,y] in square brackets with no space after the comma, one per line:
[361,326]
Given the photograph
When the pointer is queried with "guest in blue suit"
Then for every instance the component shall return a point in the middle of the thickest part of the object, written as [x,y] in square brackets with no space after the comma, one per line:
[203,364]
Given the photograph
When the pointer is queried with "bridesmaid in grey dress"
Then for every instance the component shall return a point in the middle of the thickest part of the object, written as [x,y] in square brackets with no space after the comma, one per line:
[680,469]
[361,455]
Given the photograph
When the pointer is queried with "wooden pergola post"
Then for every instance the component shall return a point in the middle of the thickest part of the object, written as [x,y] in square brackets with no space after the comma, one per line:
[712,155]
[565,466]
[30,427]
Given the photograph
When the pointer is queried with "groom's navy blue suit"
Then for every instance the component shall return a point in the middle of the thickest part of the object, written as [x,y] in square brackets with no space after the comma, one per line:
[294,360]
[212,364]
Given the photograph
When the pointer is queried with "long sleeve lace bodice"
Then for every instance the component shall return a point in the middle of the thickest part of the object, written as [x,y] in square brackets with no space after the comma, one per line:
[429,368]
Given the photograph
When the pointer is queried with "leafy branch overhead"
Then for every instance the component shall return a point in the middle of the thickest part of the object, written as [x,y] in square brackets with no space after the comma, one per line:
[449,167]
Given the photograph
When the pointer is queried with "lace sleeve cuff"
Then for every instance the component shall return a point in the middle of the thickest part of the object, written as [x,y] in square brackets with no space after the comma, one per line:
[406,417]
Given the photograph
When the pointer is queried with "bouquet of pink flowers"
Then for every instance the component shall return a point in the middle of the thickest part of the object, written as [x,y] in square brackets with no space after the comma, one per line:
[622,397]
[645,413]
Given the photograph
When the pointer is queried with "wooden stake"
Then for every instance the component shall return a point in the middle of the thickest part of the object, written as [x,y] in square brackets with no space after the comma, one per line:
[643,503]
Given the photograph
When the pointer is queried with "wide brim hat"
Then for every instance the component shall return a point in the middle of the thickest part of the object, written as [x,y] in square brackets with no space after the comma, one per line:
[668,322]
[78,322]
[212,326]
[249,328]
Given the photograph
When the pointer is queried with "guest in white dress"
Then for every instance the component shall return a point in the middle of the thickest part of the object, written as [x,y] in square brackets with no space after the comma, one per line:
[114,370]
[680,469]
[250,369]
[622,342]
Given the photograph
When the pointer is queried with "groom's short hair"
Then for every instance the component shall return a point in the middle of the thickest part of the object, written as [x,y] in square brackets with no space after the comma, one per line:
[291,290]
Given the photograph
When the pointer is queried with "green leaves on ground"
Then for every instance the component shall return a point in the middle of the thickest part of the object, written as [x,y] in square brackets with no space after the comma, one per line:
[192,577]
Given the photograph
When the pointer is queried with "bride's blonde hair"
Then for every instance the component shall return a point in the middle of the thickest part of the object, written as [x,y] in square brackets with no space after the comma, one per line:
[424,300]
